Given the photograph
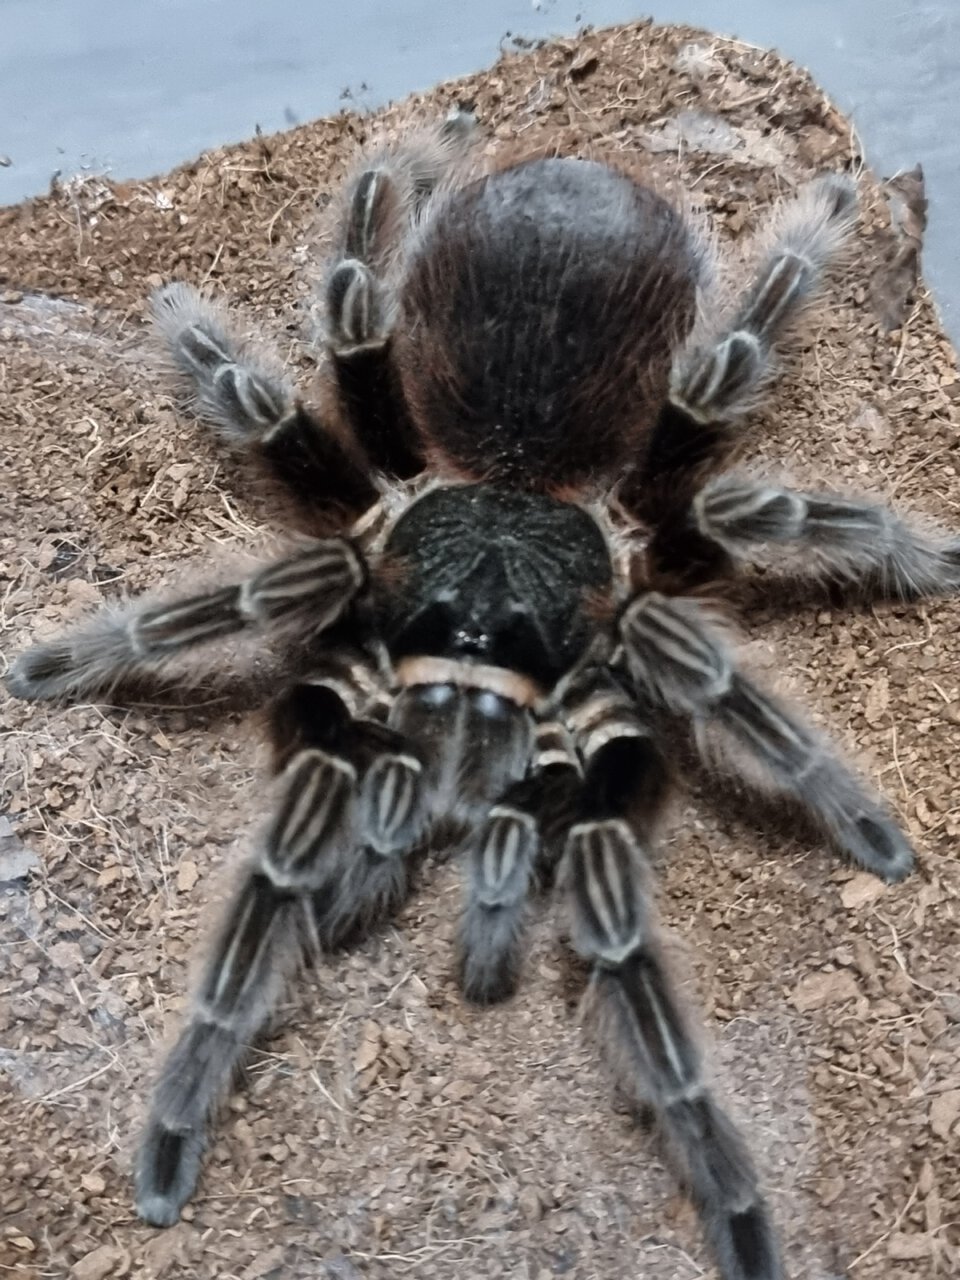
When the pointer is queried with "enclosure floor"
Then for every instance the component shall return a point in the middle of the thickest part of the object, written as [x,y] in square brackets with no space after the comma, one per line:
[386,1128]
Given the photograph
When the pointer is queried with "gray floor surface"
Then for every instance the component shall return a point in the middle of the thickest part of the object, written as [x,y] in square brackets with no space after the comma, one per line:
[133,87]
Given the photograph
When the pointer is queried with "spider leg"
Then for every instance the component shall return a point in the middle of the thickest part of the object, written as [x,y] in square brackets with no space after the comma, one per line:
[829,536]
[381,205]
[681,663]
[311,588]
[502,863]
[331,859]
[717,379]
[242,391]
[609,883]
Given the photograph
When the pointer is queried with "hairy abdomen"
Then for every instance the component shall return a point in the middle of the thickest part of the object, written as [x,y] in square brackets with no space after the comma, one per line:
[541,306]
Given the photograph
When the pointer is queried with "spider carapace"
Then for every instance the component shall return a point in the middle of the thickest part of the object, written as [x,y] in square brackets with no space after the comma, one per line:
[517,486]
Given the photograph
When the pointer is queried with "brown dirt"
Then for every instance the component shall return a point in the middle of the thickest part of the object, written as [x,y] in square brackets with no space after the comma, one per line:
[388,1129]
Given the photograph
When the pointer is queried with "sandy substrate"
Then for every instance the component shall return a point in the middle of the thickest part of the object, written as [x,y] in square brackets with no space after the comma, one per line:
[387,1129]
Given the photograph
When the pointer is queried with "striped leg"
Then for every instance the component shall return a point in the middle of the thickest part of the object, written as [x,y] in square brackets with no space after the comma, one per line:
[502,863]
[828,536]
[381,204]
[716,381]
[610,886]
[680,661]
[331,859]
[241,389]
[311,588]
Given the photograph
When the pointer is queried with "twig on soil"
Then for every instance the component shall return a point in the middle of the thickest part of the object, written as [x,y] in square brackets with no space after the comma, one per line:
[890,1230]
[78,1084]
[283,208]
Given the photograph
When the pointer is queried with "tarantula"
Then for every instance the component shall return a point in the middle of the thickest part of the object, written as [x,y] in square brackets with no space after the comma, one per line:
[518,499]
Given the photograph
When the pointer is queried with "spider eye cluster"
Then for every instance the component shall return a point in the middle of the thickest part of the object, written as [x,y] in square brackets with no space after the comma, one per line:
[494,576]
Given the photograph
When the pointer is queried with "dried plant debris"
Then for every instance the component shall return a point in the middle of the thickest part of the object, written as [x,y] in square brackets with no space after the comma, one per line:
[16,860]
[386,1129]
[895,282]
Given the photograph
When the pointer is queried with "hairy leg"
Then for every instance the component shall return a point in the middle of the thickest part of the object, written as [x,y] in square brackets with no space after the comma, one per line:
[327,863]
[716,379]
[381,204]
[240,388]
[610,885]
[720,380]
[502,863]
[680,662]
[861,544]
[311,588]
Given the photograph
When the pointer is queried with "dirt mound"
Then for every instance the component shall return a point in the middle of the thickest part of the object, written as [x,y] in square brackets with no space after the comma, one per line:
[387,1129]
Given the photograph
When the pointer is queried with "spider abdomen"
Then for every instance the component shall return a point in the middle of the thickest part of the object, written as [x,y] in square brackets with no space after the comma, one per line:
[542,304]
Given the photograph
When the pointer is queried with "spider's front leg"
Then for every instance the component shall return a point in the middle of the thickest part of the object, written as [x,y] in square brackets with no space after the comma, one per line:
[310,589]
[332,860]
[609,882]
[679,661]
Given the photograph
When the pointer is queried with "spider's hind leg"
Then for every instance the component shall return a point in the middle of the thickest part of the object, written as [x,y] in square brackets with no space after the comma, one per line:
[719,376]
[720,379]
[241,389]
[380,207]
